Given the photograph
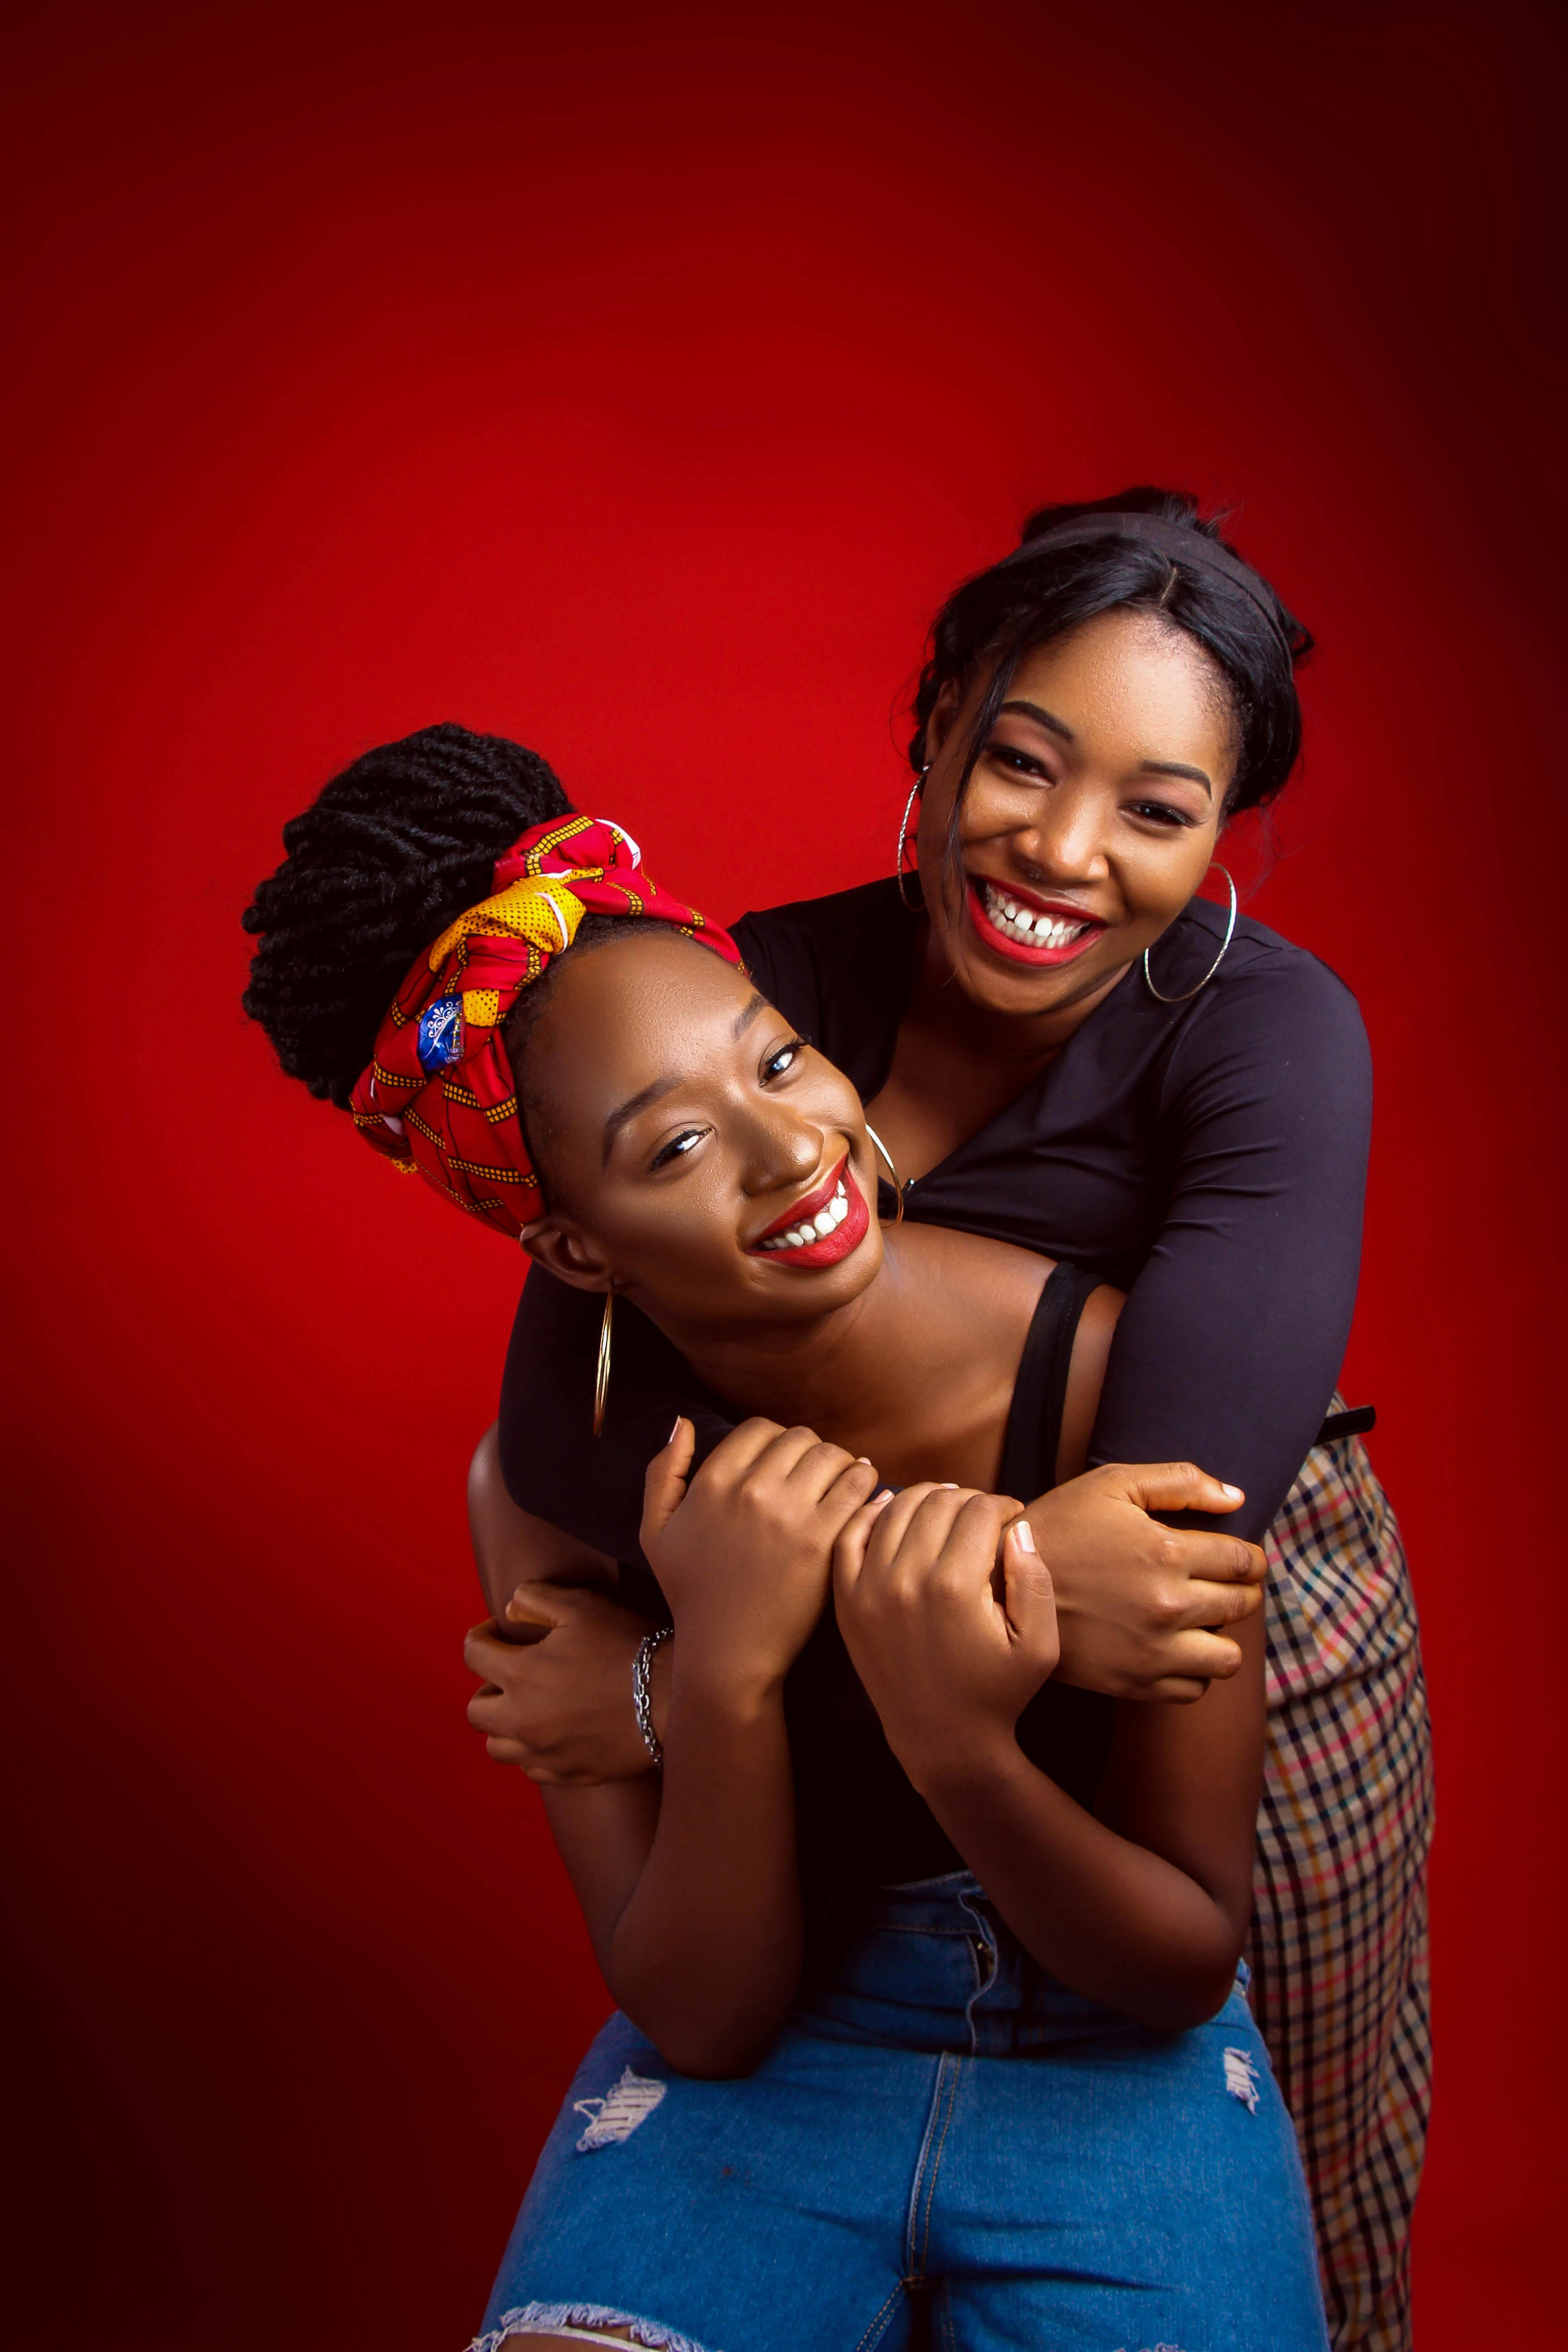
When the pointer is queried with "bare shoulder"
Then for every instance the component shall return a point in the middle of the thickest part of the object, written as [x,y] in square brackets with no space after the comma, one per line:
[971,1272]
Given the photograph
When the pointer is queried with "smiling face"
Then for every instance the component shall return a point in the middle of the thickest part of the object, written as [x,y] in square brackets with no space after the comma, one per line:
[1090,818]
[696,1151]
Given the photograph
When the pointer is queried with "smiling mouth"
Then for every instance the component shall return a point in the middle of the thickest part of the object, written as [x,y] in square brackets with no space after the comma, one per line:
[1024,931]
[823,1226]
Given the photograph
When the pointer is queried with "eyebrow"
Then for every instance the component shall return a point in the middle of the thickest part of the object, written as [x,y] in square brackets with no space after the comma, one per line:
[1042,718]
[629,1109]
[1054,726]
[658,1088]
[1177,768]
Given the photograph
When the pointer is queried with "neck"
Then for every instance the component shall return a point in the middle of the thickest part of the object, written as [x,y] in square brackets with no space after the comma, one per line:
[843,1373]
[1022,1040]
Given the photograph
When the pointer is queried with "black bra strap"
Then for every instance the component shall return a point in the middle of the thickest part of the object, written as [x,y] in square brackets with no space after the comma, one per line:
[1039,1393]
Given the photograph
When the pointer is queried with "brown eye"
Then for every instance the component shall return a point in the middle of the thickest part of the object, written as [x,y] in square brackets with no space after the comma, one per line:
[1020,763]
[679,1146]
[783,1058]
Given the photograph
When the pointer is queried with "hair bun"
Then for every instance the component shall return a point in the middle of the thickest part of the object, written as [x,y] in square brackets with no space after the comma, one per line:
[389,853]
[1166,506]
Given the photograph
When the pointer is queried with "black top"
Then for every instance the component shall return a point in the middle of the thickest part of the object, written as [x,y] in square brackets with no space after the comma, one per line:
[860,1823]
[1209,1158]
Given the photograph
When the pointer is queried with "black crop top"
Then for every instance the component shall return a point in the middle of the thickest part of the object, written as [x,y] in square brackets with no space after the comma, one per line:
[1208,1157]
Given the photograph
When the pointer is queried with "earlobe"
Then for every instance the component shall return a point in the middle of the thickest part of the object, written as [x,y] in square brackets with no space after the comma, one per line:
[566,1253]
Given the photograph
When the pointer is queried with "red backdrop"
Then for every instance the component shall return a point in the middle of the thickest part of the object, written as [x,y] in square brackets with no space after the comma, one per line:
[637,385]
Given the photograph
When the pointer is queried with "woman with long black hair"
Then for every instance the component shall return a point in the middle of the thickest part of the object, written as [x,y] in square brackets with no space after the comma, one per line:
[1060,1044]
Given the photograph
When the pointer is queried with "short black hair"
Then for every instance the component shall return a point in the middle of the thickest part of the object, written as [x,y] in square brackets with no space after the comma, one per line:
[1021,604]
[389,853]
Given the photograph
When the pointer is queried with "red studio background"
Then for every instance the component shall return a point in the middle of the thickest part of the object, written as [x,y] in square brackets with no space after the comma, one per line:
[635,382]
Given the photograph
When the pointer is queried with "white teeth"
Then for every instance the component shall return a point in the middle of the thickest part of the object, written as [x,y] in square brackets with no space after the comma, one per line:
[814,1229]
[1035,931]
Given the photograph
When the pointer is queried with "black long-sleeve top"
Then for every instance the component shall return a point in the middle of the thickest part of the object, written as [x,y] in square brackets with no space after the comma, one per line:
[1209,1158]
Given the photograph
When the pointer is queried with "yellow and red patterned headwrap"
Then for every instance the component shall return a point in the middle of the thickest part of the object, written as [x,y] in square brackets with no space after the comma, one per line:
[438,1098]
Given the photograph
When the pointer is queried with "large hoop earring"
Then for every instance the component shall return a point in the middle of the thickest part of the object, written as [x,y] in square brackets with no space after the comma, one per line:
[916,904]
[898,1188]
[1229,935]
[602,1370]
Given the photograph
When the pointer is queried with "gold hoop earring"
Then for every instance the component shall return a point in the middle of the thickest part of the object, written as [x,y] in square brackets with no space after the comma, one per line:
[898,1188]
[1230,934]
[917,905]
[602,1371]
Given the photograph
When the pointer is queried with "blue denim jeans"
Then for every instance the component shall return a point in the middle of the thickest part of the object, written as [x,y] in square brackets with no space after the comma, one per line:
[940,2123]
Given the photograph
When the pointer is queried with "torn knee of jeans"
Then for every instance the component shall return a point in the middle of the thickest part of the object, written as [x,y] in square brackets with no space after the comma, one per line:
[589,2322]
[613,2119]
[1241,2078]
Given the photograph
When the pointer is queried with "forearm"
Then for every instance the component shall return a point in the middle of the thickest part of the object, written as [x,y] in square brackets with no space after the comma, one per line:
[1109,1918]
[706,1955]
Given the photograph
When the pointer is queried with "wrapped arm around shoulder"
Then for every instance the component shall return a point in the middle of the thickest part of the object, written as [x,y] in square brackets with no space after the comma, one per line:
[1139,1603]
[552,1463]
[1234,1332]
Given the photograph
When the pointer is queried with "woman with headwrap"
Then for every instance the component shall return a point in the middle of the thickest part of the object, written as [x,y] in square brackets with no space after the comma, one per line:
[1024,2081]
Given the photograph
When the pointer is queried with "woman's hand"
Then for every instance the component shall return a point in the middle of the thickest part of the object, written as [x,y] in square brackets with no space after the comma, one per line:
[947,1613]
[1141,1606]
[557,1697]
[744,1554]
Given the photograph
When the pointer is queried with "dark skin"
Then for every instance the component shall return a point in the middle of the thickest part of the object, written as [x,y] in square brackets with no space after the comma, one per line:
[1099,794]
[690,1886]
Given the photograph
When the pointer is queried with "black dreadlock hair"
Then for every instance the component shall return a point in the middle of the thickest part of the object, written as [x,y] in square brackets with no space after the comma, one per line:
[385,856]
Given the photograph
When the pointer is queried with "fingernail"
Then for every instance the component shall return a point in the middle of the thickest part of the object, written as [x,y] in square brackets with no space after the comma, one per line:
[948,1487]
[675,1432]
[1024,1535]
[865,1458]
[881,1502]
[1233,1494]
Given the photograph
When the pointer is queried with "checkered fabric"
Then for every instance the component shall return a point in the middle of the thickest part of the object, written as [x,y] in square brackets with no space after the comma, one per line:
[1339,1934]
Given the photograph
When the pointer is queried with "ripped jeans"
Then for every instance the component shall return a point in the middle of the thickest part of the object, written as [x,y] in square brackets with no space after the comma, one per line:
[939,2121]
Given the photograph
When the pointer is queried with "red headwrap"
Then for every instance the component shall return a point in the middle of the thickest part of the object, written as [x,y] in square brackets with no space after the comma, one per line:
[439,1097]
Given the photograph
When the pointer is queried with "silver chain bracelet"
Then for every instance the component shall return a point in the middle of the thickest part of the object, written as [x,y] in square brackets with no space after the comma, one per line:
[641,1708]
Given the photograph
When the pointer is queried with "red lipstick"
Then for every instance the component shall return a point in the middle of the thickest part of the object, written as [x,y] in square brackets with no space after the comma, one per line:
[1013,947]
[837,1198]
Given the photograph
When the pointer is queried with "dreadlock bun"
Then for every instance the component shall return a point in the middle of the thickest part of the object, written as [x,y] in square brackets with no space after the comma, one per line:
[385,856]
